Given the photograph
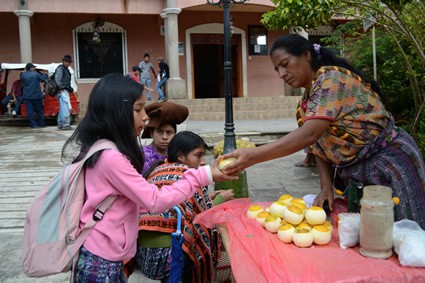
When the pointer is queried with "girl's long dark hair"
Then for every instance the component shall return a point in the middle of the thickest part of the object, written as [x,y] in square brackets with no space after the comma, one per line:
[183,143]
[109,116]
[297,45]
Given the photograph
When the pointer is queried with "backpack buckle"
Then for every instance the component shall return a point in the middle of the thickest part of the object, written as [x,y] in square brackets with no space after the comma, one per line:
[98,214]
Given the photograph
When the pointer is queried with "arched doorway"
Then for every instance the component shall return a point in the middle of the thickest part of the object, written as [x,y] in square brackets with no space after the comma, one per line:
[202,52]
[208,65]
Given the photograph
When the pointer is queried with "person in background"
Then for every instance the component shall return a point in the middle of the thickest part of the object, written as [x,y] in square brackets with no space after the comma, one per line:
[201,245]
[32,94]
[15,96]
[116,112]
[344,120]
[63,80]
[135,76]
[146,69]
[163,75]
[162,127]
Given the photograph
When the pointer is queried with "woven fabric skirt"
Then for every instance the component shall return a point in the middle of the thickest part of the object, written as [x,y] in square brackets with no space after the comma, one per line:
[400,166]
[154,263]
[91,268]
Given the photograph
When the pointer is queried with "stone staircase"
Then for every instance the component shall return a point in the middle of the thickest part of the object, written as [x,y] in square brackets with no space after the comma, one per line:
[244,108]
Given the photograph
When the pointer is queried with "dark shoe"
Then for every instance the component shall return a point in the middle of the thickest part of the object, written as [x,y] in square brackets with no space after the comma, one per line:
[304,165]
[43,126]
[67,128]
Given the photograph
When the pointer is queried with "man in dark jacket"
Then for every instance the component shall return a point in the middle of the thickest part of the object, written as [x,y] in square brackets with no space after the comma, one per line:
[63,80]
[163,74]
[32,94]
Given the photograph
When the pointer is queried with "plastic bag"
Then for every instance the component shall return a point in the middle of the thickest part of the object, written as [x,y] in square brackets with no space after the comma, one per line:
[348,229]
[409,243]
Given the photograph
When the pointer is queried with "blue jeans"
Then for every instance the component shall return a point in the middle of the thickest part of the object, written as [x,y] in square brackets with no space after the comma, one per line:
[37,106]
[159,88]
[9,98]
[147,82]
[64,115]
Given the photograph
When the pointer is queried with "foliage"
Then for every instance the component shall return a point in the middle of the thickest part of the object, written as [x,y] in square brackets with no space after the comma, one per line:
[419,133]
[403,21]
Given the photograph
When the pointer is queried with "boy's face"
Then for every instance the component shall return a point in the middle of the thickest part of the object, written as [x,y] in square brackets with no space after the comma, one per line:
[147,58]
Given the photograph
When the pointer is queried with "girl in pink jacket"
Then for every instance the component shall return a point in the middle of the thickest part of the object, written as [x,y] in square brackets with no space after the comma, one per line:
[116,112]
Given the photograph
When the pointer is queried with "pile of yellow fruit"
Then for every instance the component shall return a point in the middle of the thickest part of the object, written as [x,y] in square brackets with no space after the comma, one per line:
[293,221]
[219,147]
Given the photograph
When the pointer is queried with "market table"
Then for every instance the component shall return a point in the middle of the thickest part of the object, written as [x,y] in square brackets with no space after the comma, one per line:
[257,255]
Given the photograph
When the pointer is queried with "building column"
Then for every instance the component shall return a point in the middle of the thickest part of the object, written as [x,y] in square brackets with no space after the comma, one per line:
[175,86]
[25,34]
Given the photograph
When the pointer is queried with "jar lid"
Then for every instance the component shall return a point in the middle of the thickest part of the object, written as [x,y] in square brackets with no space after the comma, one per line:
[377,192]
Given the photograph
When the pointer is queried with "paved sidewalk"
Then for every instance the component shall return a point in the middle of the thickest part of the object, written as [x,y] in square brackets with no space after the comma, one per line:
[31,157]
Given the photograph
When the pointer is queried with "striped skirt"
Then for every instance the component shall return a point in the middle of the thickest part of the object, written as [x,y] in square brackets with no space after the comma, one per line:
[91,268]
[399,165]
[154,263]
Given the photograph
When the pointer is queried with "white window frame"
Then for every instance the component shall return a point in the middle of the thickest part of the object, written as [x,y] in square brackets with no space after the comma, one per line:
[107,27]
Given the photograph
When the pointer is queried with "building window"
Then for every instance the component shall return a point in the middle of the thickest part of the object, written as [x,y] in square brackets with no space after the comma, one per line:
[258,40]
[100,53]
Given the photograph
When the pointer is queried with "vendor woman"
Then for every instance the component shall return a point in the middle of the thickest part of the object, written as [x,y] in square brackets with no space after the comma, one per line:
[345,123]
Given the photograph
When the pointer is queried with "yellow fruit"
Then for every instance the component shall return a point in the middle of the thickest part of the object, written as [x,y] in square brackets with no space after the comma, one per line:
[396,200]
[271,223]
[286,198]
[315,215]
[300,205]
[302,237]
[321,235]
[285,233]
[294,215]
[329,225]
[261,217]
[224,162]
[304,225]
[298,200]
[253,210]
[278,208]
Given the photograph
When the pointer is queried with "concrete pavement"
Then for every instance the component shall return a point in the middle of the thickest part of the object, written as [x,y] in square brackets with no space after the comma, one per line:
[31,157]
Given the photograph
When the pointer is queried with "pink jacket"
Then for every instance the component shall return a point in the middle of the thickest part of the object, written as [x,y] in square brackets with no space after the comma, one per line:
[114,237]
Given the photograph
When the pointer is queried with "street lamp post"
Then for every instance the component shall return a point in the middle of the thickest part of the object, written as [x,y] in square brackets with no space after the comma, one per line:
[229,126]
[240,186]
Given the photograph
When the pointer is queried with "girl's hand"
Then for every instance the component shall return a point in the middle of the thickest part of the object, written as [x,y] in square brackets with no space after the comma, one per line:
[218,175]
[227,194]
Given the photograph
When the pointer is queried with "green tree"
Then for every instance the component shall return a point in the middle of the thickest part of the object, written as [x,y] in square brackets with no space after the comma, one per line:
[403,21]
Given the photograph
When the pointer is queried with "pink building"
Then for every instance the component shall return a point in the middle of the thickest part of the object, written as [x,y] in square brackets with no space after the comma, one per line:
[187,33]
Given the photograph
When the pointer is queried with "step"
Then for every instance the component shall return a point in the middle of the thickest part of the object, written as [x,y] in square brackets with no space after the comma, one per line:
[256,108]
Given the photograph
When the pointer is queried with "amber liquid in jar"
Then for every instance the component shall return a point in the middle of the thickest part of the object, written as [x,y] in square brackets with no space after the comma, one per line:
[376,222]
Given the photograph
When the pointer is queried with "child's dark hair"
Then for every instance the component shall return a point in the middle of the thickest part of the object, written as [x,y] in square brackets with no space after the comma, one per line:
[297,45]
[183,143]
[110,116]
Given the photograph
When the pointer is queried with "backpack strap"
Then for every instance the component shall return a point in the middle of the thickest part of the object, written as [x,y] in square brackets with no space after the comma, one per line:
[104,206]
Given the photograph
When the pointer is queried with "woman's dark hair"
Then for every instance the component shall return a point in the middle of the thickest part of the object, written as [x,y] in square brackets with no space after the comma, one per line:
[297,45]
[183,143]
[109,116]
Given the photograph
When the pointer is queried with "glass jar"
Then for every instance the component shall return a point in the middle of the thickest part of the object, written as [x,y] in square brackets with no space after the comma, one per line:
[376,222]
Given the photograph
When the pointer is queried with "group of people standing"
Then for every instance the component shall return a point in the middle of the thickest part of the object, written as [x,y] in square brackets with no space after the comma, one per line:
[142,74]
[28,88]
